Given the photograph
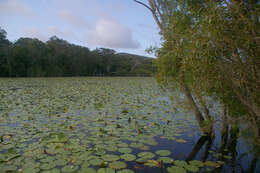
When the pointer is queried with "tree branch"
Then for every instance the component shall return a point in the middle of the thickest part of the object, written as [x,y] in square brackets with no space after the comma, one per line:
[144,5]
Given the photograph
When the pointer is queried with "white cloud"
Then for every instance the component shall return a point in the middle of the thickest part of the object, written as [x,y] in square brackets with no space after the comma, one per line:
[113,34]
[74,20]
[14,7]
[35,33]
[65,34]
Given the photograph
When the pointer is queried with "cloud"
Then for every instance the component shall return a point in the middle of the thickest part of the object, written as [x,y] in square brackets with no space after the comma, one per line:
[35,32]
[14,7]
[113,34]
[74,20]
[64,34]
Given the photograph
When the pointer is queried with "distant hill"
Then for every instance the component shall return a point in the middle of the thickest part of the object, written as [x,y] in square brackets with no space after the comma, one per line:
[29,57]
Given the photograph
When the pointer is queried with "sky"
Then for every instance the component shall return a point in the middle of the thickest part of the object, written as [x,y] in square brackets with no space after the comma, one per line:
[122,25]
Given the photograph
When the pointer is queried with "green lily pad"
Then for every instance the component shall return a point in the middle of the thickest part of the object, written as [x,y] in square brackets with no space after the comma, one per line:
[96,162]
[191,168]
[163,152]
[122,144]
[136,145]
[8,168]
[196,163]
[58,137]
[128,157]
[151,163]
[106,170]
[125,150]
[60,162]
[180,163]
[165,159]
[212,164]
[125,171]
[117,165]
[31,170]
[141,160]
[111,148]
[52,171]
[88,170]
[69,168]
[110,157]
[9,155]
[176,169]
[147,155]
[47,166]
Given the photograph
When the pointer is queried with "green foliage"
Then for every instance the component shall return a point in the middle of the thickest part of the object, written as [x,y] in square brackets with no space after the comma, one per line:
[215,46]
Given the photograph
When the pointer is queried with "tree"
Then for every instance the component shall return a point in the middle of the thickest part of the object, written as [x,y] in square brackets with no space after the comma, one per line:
[211,48]
[162,11]
[4,47]
[57,57]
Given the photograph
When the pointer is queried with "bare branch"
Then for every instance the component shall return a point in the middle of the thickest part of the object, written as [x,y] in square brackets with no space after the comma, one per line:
[158,11]
[144,5]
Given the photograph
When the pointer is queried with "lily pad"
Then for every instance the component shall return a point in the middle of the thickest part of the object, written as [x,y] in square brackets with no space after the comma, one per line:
[47,166]
[165,159]
[117,165]
[163,152]
[88,170]
[96,162]
[52,171]
[58,137]
[122,144]
[191,168]
[125,150]
[106,170]
[196,163]
[176,169]
[141,160]
[125,171]
[128,157]
[180,163]
[69,168]
[110,157]
[152,163]
[212,164]
[31,170]
[147,155]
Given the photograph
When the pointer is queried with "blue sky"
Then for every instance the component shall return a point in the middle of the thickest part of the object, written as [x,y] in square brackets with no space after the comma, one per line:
[118,24]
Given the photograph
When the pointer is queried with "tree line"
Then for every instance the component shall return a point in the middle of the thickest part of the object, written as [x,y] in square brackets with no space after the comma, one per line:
[211,50]
[30,57]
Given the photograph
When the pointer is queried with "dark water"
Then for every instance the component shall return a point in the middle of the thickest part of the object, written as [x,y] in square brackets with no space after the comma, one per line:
[238,155]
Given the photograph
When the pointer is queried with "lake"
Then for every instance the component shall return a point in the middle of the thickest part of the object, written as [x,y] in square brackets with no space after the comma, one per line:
[109,125]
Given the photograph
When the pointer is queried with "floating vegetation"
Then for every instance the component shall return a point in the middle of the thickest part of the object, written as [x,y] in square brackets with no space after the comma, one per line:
[163,152]
[117,165]
[94,125]
[128,157]
[110,157]
[146,155]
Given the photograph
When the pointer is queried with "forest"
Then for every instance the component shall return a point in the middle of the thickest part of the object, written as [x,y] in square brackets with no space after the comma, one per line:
[30,57]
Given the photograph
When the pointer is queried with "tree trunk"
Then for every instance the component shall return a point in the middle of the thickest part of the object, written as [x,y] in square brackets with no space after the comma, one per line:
[248,102]
[224,130]
[193,105]
[256,127]
[204,107]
